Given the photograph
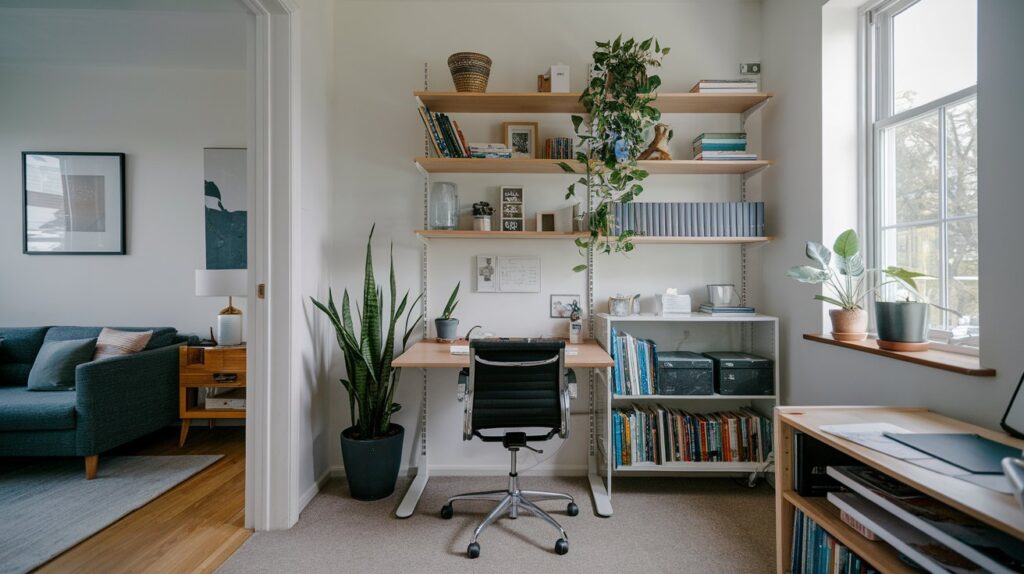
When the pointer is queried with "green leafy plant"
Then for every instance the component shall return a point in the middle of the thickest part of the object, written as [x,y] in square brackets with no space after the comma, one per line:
[452,303]
[618,101]
[845,275]
[368,353]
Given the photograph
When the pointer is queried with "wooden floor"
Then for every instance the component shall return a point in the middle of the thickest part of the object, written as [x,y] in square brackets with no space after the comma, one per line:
[193,527]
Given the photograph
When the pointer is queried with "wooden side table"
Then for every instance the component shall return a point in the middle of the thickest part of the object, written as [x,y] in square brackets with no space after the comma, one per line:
[209,367]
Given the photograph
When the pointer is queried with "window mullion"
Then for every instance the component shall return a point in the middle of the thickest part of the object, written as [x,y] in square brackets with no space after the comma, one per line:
[943,253]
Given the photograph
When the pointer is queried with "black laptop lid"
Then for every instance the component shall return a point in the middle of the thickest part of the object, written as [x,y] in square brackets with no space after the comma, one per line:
[970,452]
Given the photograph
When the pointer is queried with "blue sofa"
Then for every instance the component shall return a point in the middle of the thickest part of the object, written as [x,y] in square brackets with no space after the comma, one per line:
[116,400]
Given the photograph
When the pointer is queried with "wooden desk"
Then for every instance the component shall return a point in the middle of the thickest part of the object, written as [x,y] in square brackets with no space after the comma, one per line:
[433,355]
[995,509]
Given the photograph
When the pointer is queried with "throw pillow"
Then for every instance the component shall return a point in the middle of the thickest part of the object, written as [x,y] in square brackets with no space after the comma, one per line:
[54,369]
[112,342]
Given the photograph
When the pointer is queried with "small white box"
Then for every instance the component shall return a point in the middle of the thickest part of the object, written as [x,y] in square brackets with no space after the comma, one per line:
[667,304]
[559,76]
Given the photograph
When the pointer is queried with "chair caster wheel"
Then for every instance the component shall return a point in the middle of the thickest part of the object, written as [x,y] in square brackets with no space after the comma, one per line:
[562,546]
[474,550]
[447,511]
[572,509]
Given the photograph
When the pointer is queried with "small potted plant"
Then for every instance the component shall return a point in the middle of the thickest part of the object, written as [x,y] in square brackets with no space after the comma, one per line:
[447,327]
[848,281]
[903,325]
[482,212]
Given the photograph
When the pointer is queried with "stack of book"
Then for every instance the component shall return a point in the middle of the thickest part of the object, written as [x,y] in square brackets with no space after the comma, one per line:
[740,86]
[725,309]
[490,151]
[815,550]
[657,435]
[721,147]
[683,219]
[636,365]
[558,148]
[445,134]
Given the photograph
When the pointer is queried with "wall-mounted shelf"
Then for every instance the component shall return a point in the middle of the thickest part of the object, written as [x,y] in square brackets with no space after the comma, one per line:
[695,317]
[639,240]
[673,167]
[676,467]
[568,103]
[679,398]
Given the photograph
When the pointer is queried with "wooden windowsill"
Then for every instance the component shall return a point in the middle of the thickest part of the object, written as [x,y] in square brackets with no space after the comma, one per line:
[955,362]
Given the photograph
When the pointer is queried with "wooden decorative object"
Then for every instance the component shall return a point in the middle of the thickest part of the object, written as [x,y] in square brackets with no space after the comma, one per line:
[658,149]
[543,84]
[901,346]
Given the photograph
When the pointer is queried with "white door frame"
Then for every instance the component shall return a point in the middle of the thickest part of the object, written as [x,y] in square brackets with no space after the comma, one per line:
[270,461]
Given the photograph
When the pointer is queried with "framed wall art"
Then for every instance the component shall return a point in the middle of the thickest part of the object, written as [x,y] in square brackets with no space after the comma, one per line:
[73,203]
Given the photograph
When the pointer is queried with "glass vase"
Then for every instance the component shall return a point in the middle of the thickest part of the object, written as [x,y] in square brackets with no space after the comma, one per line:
[444,205]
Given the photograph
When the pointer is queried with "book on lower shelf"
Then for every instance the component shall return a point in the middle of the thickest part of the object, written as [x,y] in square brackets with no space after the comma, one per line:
[725,310]
[689,219]
[224,400]
[657,435]
[815,551]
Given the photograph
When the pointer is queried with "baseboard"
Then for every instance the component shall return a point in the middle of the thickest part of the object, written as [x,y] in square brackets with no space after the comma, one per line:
[338,471]
[314,489]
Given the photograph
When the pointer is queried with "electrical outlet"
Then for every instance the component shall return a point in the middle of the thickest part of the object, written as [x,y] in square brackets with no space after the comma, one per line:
[750,68]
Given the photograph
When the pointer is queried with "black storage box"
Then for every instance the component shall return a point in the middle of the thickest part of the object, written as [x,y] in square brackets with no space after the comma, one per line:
[742,374]
[684,373]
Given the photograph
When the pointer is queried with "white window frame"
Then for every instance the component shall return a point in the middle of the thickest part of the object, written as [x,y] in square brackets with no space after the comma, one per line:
[879,116]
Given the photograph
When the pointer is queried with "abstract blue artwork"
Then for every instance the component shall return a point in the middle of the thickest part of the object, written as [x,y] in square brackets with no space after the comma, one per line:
[225,196]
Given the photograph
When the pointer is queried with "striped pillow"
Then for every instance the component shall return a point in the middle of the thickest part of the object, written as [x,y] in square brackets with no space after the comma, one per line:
[112,342]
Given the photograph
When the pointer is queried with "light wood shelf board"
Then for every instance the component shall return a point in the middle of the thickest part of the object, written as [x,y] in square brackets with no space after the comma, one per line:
[528,166]
[469,234]
[715,396]
[944,360]
[568,103]
[695,317]
[878,553]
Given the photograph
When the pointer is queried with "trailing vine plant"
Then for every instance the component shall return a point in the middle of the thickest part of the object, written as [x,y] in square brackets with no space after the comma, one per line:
[618,102]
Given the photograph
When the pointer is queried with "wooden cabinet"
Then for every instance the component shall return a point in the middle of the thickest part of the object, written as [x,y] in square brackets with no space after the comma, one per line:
[208,368]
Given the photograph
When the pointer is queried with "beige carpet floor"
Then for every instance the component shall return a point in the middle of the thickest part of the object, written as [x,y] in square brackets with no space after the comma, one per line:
[660,525]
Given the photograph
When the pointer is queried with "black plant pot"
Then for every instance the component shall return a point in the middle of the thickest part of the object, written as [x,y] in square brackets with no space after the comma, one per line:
[903,322]
[371,466]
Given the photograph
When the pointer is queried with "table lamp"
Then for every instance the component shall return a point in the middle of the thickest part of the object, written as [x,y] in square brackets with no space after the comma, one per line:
[224,283]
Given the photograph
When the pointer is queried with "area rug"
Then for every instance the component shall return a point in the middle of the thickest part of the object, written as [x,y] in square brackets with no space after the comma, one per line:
[47,505]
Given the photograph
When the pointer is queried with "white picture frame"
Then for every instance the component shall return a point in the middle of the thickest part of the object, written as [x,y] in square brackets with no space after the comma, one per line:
[560,304]
[486,273]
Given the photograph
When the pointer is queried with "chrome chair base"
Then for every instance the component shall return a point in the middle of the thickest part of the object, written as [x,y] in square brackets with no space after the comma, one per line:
[510,502]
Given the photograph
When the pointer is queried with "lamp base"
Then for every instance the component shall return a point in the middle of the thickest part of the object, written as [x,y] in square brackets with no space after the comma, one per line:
[229,329]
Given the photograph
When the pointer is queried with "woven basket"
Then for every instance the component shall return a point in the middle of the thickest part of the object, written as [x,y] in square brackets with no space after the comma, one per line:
[470,71]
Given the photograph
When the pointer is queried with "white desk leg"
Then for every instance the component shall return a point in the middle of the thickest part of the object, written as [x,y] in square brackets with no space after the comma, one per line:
[412,495]
[602,501]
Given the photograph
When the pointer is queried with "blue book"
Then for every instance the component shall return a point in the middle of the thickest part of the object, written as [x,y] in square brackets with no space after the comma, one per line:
[687,216]
[641,364]
[652,347]
[617,430]
[760,218]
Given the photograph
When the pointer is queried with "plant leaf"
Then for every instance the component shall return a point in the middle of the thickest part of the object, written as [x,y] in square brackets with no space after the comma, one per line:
[819,253]
[830,300]
[852,266]
[808,274]
[580,267]
[847,244]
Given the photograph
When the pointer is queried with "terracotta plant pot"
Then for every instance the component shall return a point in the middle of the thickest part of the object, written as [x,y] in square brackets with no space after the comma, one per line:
[849,324]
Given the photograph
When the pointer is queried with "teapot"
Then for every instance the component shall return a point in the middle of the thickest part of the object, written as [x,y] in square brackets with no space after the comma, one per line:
[622,305]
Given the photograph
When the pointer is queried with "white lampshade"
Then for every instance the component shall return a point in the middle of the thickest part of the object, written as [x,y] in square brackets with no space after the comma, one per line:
[220,282]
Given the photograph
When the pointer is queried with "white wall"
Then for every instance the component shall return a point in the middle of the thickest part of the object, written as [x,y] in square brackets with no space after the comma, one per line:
[800,196]
[103,84]
[379,54]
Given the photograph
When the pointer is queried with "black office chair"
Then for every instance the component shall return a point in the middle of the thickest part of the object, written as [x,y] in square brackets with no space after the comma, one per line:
[515,384]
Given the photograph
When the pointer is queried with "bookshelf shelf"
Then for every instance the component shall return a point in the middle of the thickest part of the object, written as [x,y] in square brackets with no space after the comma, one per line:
[671,467]
[680,398]
[568,103]
[558,235]
[651,240]
[673,167]
[696,317]
[880,554]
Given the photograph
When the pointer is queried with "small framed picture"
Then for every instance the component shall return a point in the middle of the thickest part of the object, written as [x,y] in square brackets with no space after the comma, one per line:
[74,203]
[486,274]
[561,305]
[522,138]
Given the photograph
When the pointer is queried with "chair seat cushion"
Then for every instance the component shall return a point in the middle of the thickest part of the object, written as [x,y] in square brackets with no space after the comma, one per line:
[22,409]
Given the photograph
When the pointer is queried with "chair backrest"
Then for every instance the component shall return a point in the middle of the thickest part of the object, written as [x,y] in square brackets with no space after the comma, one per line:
[517,384]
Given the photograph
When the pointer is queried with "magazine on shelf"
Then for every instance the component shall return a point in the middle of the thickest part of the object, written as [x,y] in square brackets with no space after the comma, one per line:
[991,549]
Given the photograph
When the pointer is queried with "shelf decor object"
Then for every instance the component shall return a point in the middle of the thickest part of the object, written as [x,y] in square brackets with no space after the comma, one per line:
[470,71]
[444,205]
[228,283]
[546,103]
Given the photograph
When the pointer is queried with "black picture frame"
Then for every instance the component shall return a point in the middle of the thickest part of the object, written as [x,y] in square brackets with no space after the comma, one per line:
[122,221]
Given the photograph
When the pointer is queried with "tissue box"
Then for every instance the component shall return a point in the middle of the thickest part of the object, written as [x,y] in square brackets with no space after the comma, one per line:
[665,304]
[559,78]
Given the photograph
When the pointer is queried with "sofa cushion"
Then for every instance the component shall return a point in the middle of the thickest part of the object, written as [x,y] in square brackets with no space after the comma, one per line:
[162,336]
[22,409]
[113,343]
[54,369]
[18,353]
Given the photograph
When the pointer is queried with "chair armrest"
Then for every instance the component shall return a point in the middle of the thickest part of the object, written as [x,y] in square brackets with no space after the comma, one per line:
[122,398]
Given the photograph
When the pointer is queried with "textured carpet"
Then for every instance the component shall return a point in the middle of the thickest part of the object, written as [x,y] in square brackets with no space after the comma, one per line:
[660,525]
[47,506]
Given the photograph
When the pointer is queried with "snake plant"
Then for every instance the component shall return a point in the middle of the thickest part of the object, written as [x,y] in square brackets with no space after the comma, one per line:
[371,380]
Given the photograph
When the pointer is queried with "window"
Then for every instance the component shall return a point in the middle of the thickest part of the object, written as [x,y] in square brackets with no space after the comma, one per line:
[923,180]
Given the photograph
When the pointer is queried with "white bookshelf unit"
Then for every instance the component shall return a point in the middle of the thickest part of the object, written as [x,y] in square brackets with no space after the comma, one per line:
[698,332]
